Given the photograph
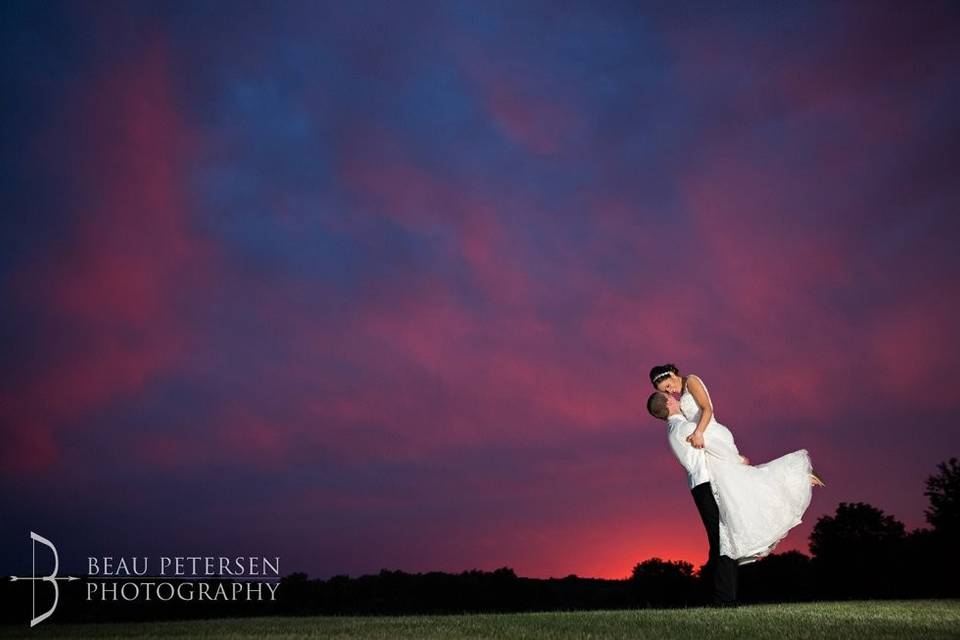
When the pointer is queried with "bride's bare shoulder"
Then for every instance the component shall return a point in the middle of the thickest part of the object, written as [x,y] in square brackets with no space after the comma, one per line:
[697,389]
[695,379]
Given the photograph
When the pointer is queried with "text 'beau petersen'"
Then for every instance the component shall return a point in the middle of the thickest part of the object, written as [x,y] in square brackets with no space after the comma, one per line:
[189,566]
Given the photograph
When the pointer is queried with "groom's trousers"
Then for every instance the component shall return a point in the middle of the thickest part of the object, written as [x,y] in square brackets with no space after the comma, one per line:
[721,571]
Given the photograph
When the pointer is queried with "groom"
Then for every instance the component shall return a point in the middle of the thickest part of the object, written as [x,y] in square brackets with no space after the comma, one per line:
[721,570]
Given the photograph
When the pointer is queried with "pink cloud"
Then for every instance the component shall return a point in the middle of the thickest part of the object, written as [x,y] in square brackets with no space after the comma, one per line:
[118,281]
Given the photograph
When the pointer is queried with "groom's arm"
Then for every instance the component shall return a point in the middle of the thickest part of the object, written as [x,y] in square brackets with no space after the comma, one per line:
[688,456]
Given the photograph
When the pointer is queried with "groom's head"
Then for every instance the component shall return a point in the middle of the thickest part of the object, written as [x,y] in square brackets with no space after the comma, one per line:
[661,405]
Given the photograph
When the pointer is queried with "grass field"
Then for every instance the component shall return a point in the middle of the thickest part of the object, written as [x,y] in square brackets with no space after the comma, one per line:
[868,619]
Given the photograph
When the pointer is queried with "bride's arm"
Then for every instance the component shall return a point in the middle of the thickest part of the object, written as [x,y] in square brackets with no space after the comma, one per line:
[706,408]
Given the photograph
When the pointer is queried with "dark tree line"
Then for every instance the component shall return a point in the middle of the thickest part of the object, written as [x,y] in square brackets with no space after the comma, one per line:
[857,552]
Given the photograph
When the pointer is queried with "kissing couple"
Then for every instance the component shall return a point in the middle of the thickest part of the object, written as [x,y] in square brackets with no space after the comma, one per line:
[746,509]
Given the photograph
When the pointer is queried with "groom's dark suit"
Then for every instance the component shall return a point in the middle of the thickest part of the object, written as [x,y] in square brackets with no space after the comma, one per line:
[721,571]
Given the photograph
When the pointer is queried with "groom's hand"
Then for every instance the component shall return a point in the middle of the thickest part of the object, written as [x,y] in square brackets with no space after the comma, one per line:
[696,439]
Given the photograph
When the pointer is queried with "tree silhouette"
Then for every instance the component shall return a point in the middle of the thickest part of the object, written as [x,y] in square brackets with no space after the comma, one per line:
[857,551]
[936,550]
[943,489]
[855,525]
[658,583]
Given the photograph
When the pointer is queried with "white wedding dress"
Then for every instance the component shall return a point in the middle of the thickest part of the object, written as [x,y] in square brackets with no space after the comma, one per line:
[759,504]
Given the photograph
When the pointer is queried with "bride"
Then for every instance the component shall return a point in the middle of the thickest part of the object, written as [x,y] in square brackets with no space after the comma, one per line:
[759,504]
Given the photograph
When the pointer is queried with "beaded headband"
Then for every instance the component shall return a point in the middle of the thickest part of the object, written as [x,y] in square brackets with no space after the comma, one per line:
[660,375]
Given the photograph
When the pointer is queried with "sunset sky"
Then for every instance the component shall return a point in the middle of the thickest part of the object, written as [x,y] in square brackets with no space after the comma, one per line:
[375,285]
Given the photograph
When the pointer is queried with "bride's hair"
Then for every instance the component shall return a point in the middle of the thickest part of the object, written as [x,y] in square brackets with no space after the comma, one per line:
[661,369]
